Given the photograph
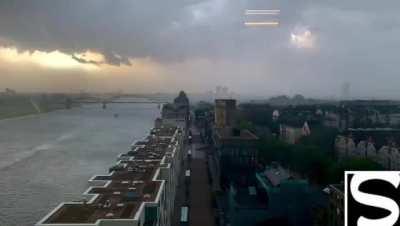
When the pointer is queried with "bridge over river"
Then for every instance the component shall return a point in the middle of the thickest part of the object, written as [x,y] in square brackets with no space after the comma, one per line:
[114,100]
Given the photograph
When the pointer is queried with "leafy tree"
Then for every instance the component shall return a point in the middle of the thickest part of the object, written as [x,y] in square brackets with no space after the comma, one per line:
[359,164]
[311,161]
[244,124]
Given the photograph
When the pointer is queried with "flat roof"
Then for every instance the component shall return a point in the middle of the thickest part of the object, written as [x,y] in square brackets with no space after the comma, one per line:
[126,187]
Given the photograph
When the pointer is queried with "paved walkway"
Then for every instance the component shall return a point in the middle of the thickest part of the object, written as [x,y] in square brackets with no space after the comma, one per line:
[199,201]
[201,210]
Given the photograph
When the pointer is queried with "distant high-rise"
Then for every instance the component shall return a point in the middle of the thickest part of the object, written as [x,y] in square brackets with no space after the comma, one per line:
[222,92]
[225,92]
[225,113]
[275,115]
[345,91]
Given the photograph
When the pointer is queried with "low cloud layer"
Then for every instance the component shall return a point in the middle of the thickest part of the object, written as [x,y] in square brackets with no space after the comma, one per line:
[318,46]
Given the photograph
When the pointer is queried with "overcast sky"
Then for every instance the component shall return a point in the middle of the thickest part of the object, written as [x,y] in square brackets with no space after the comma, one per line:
[153,45]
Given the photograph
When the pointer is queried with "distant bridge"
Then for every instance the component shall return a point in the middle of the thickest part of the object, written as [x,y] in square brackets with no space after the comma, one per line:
[69,102]
[121,102]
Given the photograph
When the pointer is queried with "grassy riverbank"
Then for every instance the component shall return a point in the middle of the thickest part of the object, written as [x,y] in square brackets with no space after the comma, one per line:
[21,105]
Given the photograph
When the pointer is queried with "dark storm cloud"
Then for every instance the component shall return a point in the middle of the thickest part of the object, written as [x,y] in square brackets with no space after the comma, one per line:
[115,59]
[355,41]
[84,61]
[169,30]
[119,29]
[166,30]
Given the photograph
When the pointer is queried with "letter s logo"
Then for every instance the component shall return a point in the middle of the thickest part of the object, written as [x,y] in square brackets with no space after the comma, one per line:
[375,200]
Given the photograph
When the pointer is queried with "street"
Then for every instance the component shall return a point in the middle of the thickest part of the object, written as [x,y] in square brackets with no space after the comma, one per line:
[199,199]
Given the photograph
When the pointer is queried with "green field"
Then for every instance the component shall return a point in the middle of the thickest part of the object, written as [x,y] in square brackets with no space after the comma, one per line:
[21,105]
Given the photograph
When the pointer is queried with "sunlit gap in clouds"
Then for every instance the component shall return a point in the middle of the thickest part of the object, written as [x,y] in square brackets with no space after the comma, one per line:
[54,59]
[302,38]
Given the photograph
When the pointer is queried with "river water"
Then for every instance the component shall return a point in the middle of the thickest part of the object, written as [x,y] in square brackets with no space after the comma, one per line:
[47,159]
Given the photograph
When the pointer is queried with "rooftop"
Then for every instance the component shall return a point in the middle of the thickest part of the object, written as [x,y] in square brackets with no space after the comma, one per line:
[276,175]
[338,188]
[132,181]
[232,134]
[378,136]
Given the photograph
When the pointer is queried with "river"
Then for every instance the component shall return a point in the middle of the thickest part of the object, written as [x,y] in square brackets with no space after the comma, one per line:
[47,159]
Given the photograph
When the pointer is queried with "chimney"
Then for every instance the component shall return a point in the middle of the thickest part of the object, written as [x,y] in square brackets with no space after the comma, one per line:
[236,132]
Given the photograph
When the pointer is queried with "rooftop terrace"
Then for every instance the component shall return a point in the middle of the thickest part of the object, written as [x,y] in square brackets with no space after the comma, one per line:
[131,182]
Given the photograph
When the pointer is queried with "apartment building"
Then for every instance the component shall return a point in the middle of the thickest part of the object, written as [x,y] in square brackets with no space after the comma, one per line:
[139,190]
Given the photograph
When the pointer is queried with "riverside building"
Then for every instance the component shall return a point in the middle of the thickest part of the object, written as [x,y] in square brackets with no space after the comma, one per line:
[139,190]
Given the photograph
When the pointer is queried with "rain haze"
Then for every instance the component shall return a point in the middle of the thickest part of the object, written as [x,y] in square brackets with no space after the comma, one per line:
[121,112]
[162,46]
